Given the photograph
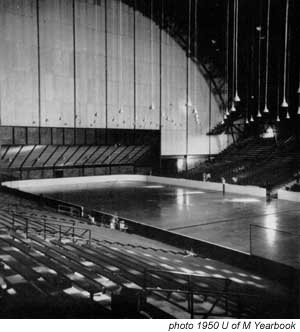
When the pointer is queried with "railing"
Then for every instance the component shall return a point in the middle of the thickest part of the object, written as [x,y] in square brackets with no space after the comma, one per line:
[49,230]
[195,286]
[276,245]
[71,210]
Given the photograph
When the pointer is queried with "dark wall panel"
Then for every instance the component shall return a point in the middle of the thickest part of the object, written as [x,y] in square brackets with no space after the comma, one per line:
[100,137]
[34,174]
[101,170]
[33,135]
[72,172]
[88,171]
[90,136]
[20,135]
[6,135]
[80,136]
[58,136]
[47,173]
[69,136]
[46,136]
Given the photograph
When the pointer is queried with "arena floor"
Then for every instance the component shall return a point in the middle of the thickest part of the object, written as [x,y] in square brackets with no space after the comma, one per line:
[201,214]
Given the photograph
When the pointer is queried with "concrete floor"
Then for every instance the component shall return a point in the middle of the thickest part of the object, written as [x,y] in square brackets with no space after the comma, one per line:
[201,214]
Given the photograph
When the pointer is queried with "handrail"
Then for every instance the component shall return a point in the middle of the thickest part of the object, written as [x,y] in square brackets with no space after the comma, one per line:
[191,291]
[48,227]
[71,209]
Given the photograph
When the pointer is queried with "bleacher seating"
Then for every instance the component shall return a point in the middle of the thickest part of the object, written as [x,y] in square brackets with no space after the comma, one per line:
[253,161]
[16,159]
[97,271]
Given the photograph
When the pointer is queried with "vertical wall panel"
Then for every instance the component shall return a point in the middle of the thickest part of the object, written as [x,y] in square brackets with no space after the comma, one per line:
[90,64]
[147,73]
[18,63]
[120,65]
[173,98]
[198,141]
[19,99]
[57,63]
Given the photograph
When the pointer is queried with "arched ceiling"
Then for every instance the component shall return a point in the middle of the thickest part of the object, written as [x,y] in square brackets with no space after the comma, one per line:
[203,32]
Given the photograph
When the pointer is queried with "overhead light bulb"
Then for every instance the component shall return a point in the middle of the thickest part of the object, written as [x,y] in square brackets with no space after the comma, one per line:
[277,118]
[259,114]
[287,115]
[233,109]
[237,98]
[251,119]
[266,110]
[284,103]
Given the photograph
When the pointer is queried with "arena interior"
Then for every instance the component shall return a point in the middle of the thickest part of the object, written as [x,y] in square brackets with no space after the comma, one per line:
[150,160]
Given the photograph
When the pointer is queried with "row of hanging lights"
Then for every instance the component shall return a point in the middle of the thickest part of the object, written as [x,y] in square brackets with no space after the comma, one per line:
[231,105]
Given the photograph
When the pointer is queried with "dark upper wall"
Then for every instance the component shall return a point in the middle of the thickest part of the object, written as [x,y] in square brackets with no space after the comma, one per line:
[79,136]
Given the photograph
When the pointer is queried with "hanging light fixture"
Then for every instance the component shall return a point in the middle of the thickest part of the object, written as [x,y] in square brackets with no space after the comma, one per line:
[298,91]
[266,110]
[152,106]
[251,91]
[278,91]
[188,55]
[233,109]
[236,97]
[259,72]
[247,121]
[227,59]
[196,56]
[287,115]
[251,118]
[120,111]
[284,102]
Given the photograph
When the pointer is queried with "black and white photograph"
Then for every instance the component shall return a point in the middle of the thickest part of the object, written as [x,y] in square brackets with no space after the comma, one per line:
[150,162]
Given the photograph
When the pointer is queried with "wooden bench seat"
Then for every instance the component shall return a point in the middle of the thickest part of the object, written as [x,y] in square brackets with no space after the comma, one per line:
[18,266]
[28,249]
[100,266]
[143,263]
[127,265]
[128,279]
[71,261]
[30,259]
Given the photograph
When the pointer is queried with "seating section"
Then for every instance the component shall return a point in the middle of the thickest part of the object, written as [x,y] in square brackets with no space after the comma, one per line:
[115,263]
[23,157]
[253,161]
